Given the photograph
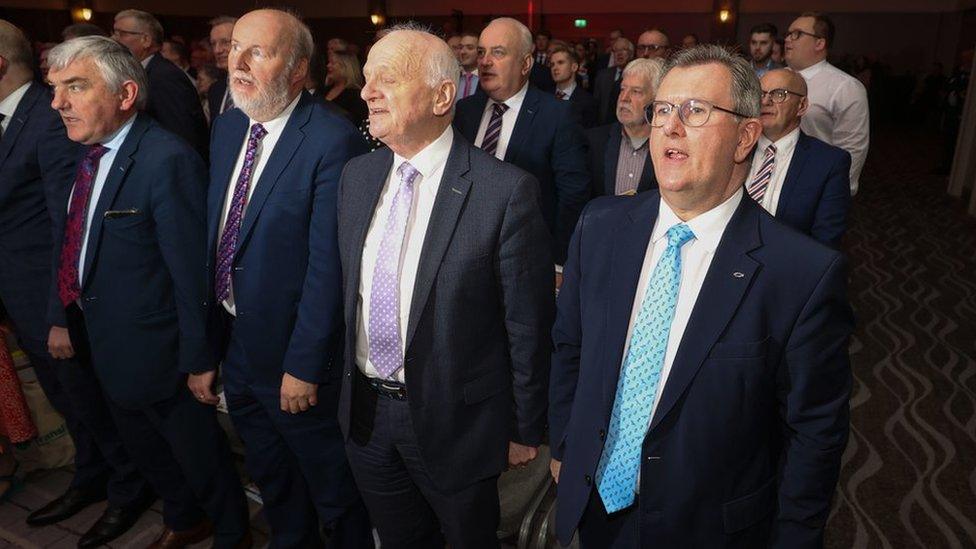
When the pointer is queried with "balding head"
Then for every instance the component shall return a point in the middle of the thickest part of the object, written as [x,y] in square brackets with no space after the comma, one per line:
[505,58]
[410,88]
[653,44]
[14,48]
[784,102]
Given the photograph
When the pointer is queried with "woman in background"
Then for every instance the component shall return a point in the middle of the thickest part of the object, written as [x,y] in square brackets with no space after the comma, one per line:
[344,79]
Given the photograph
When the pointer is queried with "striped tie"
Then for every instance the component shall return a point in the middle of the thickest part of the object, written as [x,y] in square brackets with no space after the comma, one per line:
[757,189]
[490,143]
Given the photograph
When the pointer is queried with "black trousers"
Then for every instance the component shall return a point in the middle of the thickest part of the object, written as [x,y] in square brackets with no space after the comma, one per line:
[598,530]
[406,507]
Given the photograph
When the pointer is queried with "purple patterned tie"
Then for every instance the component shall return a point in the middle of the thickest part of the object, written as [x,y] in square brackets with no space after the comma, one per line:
[489,143]
[232,226]
[384,296]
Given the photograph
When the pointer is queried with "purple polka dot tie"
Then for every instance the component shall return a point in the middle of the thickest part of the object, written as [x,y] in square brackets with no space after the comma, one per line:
[385,349]
[232,227]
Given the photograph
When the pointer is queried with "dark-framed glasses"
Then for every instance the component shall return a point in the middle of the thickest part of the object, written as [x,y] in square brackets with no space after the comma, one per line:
[779,95]
[119,33]
[797,33]
[692,112]
[651,47]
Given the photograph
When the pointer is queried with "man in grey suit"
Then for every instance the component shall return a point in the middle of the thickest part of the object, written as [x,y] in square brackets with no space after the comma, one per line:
[449,299]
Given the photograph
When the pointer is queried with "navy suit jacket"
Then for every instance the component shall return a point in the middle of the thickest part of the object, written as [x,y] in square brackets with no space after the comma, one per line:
[477,345]
[744,447]
[604,152]
[37,164]
[175,104]
[215,97]
[286,278]
[605,93]
[583,106]
[142,292]
[549,144]
[816,194]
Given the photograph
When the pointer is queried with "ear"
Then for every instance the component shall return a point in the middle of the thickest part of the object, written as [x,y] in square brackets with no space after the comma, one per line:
[804,105]
[527,62]
[749,131]
[300,72]
[128,95]
[575,67]
[444,96]
[4,65]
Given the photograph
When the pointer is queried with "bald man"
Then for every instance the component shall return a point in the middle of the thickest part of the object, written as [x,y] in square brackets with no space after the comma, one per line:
[801,180]
[449,301]
[653,44]
[275,283]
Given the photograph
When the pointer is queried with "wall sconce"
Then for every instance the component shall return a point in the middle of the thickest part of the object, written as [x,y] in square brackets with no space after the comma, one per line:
[724,15]
[377,19]
[81,11]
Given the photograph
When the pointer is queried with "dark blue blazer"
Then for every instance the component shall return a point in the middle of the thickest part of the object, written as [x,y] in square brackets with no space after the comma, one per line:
[477,345]
[287,283]
[37,164]
[816,194]
[583,106]
[604,152]
[174,103]
[215,96]
[745,445]
[549,144]
[142,293]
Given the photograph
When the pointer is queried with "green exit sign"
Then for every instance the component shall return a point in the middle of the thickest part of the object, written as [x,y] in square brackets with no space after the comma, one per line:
[580,23]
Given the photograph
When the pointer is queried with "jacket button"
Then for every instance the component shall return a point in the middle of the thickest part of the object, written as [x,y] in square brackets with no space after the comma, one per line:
[603,434]
[587,480]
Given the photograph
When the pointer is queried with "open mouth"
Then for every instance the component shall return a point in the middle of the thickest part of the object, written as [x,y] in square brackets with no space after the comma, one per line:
[674,154]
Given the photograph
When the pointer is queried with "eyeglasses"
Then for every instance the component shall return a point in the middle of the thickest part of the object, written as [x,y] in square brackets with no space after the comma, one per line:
[796,34]
[693,112]
[119,32]
[779,95]
[651,47]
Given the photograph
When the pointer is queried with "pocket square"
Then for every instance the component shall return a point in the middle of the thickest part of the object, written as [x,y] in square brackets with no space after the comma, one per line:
[112,214]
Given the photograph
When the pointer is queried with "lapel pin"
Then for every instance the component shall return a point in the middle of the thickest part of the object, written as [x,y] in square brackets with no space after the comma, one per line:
[737,274]
[457,191]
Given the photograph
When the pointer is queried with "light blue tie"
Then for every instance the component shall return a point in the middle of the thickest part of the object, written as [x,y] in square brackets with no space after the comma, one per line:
[616,474]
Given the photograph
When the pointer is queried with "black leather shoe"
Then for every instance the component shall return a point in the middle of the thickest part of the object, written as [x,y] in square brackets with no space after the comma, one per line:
[114,522]
[66,506]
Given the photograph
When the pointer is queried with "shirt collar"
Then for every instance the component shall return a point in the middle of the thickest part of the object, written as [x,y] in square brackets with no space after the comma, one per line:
[430,157]
[145,62]
[568,90]
[9,105]
[472,73]
[115,141]
[707,227]
[515,102]
[635,144]
[783,143]
[279,121]
[813,69]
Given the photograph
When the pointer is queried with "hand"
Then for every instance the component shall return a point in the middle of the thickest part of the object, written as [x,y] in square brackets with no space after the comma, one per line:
[201,386]
[519,455]
[297,395]
[554,466]
[59,343]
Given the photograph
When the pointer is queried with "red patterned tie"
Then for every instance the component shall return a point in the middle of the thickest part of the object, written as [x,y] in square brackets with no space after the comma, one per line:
[74,229]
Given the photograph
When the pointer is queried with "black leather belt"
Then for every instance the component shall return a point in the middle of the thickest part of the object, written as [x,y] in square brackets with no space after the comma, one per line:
[386,388]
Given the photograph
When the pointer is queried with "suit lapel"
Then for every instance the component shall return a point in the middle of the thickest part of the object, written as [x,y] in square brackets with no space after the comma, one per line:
[648,180]
[472,109]
[629,249]
[17,121]
[113,182]
[726,282]
[523,124]
[291,138]
[366,190]
[611,156]
[800,154]
[451,196]
[223,159]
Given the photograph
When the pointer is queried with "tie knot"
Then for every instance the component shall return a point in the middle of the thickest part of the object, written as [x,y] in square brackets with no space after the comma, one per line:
[560,94]
[407,173]
[771,149]
[678,235]
[258,131]
[96,151]
[499,108]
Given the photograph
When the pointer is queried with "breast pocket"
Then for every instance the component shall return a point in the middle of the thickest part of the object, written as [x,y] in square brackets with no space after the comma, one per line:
[732,350]
[132,227]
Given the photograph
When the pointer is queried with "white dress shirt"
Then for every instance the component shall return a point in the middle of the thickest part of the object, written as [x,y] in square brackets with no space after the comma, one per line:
[266,146]
[472,87]
[568,90]
[145,62]
[430,163]
[696,257]
[508,121]
[104,168]
[784,155]
[9,106]
[838,113]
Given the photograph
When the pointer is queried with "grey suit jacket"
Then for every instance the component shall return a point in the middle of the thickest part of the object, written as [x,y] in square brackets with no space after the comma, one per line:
[477,347]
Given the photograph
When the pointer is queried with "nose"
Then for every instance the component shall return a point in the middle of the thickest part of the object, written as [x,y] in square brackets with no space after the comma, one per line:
[766,99]
[673,125]
[369,90]
[57,101]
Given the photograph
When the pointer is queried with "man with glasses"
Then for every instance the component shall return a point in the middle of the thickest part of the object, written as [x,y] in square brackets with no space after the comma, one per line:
[838,112]
[700,378]
[606,88]
[801,180]
[173,99]
[218,96]
[762,37]
[653,44]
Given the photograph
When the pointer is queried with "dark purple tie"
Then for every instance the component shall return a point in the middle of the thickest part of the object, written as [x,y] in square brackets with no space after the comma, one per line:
[490,143]
[232,227]
[69,286]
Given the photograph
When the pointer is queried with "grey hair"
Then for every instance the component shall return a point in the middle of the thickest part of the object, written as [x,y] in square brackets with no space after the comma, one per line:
[440,64]
[147,21]
[525,41]
[302,43]
[648,69]
[222,20]
[746,90]
[113,60]
[627,43]
[14,46]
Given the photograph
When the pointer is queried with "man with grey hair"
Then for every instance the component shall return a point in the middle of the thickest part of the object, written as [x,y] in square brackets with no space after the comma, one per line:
[275,286]
[218,96]
[448,301]
[606,86]
[127,256]
[618,152]
[37,161]
[172,97]
[520,124]
[700,377]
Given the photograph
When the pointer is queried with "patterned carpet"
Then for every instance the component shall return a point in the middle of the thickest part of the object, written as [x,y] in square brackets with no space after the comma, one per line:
[909,473]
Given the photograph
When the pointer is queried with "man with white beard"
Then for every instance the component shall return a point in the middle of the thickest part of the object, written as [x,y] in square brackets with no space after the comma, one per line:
[275,283]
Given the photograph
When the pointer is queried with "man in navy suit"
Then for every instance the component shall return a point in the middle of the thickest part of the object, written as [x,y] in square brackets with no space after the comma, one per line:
[564,65]
[522,125]
[700,378]
[606,84]
[218,96]
[618,153]
[276,286]
[801,180]
[129,256]
[448,302]
[38,163]
[173,99]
